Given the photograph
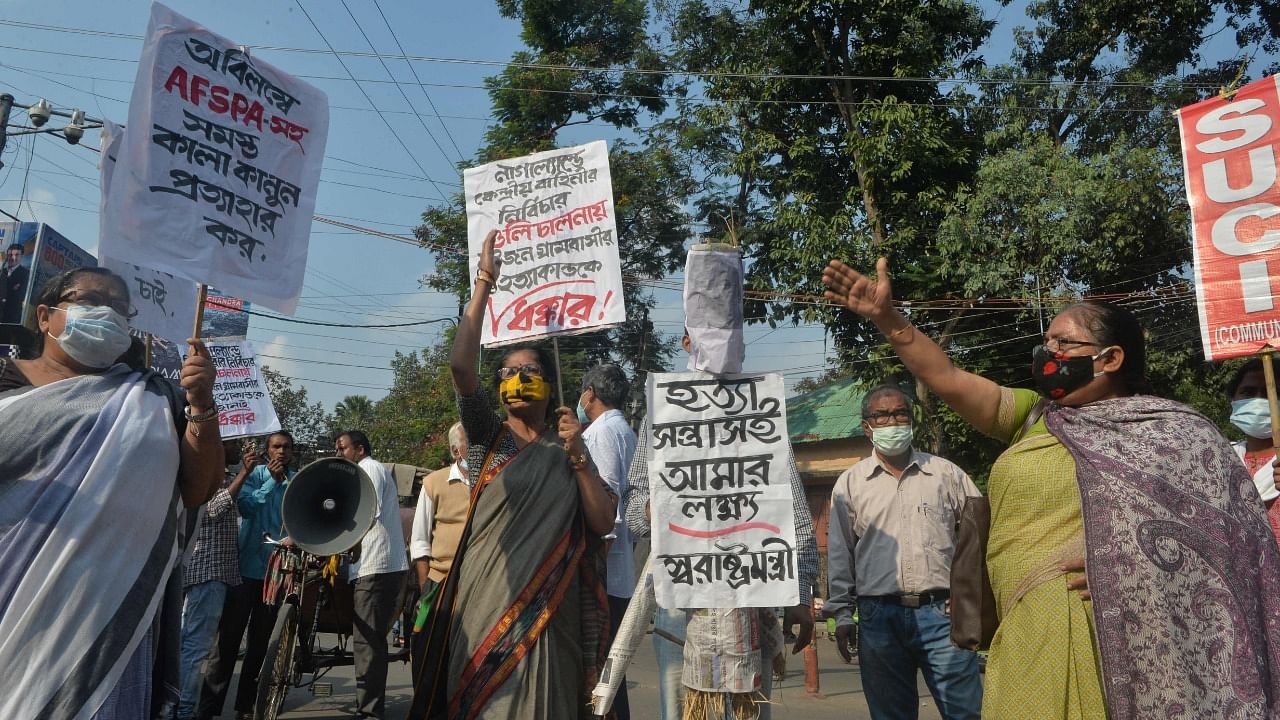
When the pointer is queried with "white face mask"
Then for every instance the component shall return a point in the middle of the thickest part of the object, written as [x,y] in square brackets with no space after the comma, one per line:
[93,335]
[893,440]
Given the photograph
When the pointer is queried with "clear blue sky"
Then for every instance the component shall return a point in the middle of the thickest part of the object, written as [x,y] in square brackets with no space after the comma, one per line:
[369,178]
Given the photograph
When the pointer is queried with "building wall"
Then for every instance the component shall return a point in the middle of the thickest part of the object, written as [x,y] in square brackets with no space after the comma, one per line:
[820,463]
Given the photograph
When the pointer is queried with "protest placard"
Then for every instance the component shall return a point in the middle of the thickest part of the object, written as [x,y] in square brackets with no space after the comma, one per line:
[216,178]
[244,405]
[1229,158]
[722,514]
[557,240]
[163,305]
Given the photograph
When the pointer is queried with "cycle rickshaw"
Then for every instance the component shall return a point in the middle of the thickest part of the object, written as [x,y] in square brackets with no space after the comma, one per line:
[328,507]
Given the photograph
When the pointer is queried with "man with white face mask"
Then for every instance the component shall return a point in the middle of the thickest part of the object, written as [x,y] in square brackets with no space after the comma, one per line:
[890,541]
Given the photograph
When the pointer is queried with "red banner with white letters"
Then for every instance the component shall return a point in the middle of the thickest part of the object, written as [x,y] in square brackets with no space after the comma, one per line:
[1229,150]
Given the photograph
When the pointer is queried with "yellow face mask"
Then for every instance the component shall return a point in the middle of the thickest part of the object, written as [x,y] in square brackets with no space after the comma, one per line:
[529,388]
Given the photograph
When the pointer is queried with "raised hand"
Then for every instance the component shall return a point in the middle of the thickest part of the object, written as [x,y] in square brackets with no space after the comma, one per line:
[490,263]
[872,299]
[197,376]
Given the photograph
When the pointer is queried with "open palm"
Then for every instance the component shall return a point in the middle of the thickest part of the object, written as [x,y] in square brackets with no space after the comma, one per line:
[872,299]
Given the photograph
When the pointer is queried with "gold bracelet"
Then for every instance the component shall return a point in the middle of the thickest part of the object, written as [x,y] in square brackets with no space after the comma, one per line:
[484,276]
[894,335]
[578,462]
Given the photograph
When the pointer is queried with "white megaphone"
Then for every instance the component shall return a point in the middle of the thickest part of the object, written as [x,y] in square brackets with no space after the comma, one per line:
[329,506]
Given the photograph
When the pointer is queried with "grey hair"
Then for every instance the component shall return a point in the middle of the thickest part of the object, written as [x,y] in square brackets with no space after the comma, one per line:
[457,437]
[883,389]
[609,383]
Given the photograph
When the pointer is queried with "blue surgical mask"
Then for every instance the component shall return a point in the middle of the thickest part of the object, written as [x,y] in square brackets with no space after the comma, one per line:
[893,440]
[94,335]
[582,416]
[1252,416]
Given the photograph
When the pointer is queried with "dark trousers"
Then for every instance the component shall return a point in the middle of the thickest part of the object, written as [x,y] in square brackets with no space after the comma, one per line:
[244,608]
[618,608]
[376,602]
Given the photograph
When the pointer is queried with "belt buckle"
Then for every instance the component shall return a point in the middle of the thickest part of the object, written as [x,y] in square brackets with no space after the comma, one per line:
[910,600]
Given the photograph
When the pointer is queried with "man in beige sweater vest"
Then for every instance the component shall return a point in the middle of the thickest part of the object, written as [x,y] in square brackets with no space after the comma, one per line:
[441,515]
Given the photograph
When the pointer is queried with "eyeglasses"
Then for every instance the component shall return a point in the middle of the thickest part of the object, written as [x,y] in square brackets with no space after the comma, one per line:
[1064,344]
[880,419]
[525,369]
[97,299]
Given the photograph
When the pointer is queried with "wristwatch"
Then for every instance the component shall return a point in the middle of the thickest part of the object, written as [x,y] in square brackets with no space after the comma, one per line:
[578,462]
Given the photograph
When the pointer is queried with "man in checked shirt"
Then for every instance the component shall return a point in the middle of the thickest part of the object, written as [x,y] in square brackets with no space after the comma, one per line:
[214,567]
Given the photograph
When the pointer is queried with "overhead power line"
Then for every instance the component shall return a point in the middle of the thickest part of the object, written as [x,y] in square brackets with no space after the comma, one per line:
[634,70]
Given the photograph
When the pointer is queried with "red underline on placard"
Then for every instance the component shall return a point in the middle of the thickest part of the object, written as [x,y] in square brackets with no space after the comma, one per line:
[724,531]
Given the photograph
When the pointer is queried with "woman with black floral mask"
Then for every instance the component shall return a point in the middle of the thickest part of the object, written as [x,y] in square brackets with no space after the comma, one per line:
[97,462]
[1142,494]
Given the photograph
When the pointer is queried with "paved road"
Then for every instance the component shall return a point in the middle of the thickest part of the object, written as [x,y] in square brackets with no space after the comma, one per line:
[840,684]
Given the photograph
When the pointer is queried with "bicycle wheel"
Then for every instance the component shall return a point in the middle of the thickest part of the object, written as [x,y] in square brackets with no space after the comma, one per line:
[277,666]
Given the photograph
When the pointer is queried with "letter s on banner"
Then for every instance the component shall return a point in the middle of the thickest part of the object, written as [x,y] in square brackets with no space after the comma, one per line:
[1229,161]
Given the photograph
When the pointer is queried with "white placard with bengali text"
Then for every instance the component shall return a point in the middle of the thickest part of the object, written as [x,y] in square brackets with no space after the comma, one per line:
[163,305]
[557,239]
[722,516]
[216,179]
[244,405]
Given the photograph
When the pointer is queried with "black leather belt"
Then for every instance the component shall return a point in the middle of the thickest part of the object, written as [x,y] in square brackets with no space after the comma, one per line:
[914,600]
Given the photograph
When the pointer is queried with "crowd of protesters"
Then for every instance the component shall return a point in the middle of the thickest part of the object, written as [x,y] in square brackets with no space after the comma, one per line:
[1132,552]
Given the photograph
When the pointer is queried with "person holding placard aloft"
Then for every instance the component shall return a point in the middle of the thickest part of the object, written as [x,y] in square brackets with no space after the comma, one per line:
[1133,568]
[97,463]
[520,627]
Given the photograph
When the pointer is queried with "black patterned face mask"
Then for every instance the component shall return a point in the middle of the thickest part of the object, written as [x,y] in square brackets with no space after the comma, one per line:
[1057,375]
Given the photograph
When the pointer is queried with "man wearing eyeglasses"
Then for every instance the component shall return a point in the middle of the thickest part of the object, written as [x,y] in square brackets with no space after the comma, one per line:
[890,541]
[14,288]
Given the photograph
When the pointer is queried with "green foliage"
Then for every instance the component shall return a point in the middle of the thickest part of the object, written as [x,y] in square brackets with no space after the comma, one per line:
[650,181]
[308,422]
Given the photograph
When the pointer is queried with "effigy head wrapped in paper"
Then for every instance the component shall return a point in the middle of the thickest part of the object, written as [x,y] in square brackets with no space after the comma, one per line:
[713,308]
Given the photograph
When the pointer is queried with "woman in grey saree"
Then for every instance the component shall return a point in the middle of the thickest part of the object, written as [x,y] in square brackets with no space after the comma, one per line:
[520,626]
[92,521]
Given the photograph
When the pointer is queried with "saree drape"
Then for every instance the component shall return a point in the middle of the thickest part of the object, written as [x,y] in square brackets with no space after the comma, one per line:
[91,529]
[520,627]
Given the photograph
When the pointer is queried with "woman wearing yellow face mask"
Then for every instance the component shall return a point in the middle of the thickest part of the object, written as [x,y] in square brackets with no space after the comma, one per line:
[521,624]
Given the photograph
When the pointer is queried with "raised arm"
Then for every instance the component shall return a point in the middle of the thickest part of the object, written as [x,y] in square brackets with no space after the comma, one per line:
[974,397]
[466,342]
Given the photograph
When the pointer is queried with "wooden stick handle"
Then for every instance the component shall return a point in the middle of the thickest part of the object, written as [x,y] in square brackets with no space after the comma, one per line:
[1270,374]
[201,296]
[555,350]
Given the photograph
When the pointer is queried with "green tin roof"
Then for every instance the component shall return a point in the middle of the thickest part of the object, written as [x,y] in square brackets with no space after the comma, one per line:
[829,413]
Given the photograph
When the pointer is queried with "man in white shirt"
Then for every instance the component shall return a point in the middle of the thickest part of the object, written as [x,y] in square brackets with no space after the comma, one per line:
[890,542]
[611,443]
[378,578]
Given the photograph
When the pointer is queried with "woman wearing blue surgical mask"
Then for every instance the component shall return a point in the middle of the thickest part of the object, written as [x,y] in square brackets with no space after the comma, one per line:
[1251,414]
[1181,583]
[519,627]
[97,463]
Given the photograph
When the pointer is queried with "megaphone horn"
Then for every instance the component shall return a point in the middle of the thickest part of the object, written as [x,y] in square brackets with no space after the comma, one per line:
[329,506]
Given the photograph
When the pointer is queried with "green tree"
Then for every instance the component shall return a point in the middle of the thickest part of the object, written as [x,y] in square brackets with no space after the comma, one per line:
[538,97]
[354,412]
[307,421]
[832,130]
[410,425]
